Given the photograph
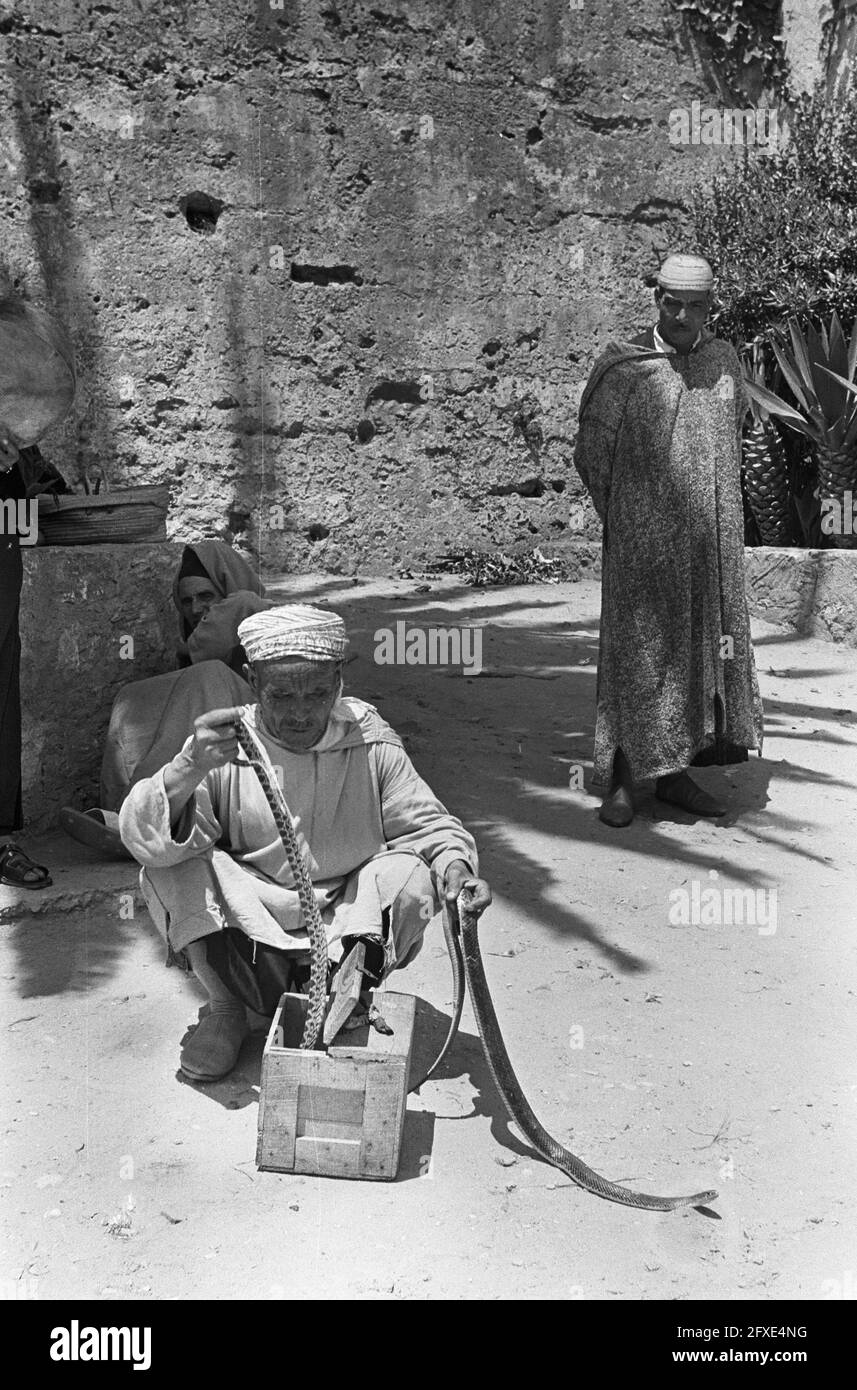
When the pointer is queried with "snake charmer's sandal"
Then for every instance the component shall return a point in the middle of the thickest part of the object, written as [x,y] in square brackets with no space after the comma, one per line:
[19,871]
[361,967]
[92,828]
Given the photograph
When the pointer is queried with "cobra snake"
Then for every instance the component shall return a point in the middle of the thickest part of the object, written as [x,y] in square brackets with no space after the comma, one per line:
[460,927]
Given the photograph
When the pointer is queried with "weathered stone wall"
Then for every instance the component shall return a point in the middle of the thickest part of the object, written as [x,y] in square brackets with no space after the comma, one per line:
[79,607]
[811,591]
[337,269]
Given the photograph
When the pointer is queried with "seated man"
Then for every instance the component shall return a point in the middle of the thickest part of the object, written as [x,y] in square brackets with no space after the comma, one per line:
[379,846]
[214,590]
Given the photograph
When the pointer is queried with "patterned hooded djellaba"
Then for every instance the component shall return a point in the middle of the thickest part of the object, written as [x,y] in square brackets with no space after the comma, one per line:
[659,451]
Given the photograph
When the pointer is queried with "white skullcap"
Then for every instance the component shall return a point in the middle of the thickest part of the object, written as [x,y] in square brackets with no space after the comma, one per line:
[680,272]
[293,630]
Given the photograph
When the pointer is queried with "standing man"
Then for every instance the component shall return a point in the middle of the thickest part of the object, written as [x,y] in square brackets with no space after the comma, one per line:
[37,386]
[659,451]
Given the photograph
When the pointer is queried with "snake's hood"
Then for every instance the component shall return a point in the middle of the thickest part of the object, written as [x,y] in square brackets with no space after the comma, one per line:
[352,722]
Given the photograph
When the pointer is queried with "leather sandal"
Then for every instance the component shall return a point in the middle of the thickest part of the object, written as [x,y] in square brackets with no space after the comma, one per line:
[92,828]
[19,871]
[679,789]
[361,967]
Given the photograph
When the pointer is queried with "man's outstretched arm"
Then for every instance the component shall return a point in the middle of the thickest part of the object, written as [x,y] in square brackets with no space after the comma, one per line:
[415,819]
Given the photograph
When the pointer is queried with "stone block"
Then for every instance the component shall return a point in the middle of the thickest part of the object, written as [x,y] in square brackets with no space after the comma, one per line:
[93,618]
[780,584]
[814,592]
[834,612]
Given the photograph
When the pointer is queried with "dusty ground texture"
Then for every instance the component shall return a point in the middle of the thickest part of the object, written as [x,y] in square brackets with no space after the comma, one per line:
[670,1057]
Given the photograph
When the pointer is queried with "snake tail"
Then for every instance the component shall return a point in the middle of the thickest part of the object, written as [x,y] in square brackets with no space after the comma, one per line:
[519,1108]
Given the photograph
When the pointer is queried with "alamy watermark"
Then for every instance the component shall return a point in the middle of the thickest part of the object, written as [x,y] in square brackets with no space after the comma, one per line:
[19,516]
[710,125]
[429,646]
[76,1343]
[839,517]
[712,906]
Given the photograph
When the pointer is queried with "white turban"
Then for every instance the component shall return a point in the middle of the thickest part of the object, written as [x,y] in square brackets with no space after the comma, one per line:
[293,630]
[680,272]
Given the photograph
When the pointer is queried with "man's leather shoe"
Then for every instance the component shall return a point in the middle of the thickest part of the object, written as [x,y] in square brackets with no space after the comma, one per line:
[617,808]
[679,789]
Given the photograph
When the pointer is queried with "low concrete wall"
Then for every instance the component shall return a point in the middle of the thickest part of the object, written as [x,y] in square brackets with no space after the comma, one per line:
[812,591]
[93,618]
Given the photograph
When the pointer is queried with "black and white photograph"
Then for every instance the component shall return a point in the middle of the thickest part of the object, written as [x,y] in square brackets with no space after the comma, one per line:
[428,666]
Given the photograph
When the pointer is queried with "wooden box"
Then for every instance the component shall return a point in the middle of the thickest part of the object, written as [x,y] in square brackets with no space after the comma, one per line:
[339,1112]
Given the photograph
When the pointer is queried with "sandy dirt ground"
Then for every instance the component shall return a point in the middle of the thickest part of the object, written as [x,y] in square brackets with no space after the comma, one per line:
[670,1056]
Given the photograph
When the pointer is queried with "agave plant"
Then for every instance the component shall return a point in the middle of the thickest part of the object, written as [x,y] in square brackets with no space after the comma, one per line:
[820,372]
[764,466]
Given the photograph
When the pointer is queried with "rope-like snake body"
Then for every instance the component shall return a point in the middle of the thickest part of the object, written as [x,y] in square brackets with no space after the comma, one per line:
[317,1003]
[461,930]
[513,1097]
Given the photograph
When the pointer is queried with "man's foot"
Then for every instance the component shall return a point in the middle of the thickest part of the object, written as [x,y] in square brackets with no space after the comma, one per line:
[212,1049]
[617,808]
[680,790]
[18,870]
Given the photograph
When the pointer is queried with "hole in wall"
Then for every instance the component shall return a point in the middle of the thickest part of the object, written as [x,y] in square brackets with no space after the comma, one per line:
[402,392]
[325,274]
[201,212]
[44,190]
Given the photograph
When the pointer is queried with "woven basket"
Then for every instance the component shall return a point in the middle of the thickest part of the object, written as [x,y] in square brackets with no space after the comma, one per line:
[134,514]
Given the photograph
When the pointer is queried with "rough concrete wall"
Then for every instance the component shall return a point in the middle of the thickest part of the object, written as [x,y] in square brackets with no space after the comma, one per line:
[425,218]
[811,591]
[78,604]
[802,31]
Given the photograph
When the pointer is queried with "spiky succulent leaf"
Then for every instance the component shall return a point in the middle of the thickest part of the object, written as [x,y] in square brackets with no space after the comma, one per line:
[837,356]
[775,405]
[801,355]
[852,352]
[800,387]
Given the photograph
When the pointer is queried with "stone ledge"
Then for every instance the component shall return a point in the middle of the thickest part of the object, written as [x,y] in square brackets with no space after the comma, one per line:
[813,592]
[82,882]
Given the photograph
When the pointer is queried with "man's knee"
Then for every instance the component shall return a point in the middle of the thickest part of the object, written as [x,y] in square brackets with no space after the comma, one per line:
[182,901]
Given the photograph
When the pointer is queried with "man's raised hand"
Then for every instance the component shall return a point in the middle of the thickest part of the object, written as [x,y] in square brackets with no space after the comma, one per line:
[214,742]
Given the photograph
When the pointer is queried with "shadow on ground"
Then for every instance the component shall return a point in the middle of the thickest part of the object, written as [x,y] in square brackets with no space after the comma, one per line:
[498,748]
